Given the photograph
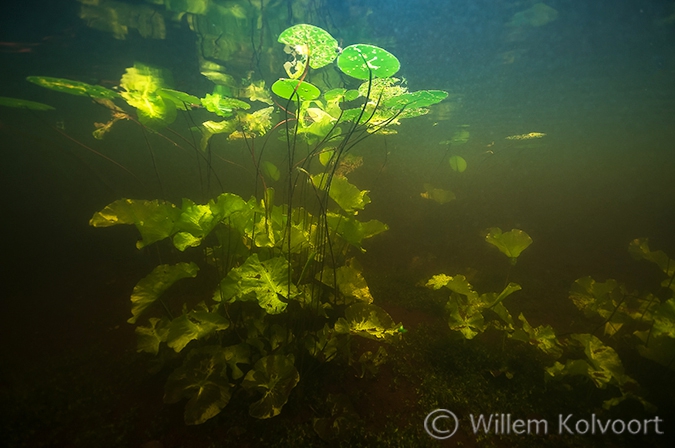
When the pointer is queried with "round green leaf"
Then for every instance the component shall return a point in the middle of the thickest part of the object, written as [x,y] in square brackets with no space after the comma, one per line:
[423,98]
[23,104]
[285,88]
[360,60]
[73,87]
[321,46]
[457,163]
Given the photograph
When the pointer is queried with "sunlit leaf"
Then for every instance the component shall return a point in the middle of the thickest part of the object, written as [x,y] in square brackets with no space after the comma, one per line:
[361,61]
[345,194]
[287,88]
[320,46]
[349,280]
[274,377]
[153,219]
[263,281]
[367,320]
[141,85]
[151,287]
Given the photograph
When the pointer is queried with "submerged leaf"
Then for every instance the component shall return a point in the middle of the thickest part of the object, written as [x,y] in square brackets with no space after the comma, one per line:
[349,280]
[203,379]
[369,321]
[149,288]
[352,230]
[639,249]
[263,281]
[543,337]
[153,219]
[274,376]
[457,163]
[345,194]
[437,194]
[196,324]
[23,104]
[73,87]
[511,243]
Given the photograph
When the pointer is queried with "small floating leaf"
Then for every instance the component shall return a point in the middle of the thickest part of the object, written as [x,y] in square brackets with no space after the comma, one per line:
[321,47]
[360,61]
[285,88]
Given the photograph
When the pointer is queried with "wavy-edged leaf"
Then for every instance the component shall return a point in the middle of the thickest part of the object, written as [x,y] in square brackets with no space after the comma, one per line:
[510,243]
[149,288]
[196,324]
[153,219]
[203,379]
[274,376]
[264,282]
[149,338]
[346,195]
[349,280]
[354,231]
[369,321]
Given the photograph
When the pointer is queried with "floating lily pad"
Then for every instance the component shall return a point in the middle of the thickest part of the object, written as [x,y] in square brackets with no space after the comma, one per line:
[321,46]
[360,61]
[23,104]
[286,88]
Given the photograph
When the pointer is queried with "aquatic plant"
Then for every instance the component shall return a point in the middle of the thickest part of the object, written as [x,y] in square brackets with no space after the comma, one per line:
[650,320]
[510,243]
[287,286]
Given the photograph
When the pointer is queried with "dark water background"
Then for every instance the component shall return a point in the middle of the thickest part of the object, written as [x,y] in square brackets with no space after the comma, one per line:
[599,81]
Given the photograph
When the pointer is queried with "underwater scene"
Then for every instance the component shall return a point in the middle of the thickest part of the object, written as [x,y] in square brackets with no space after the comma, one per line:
[349,223]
